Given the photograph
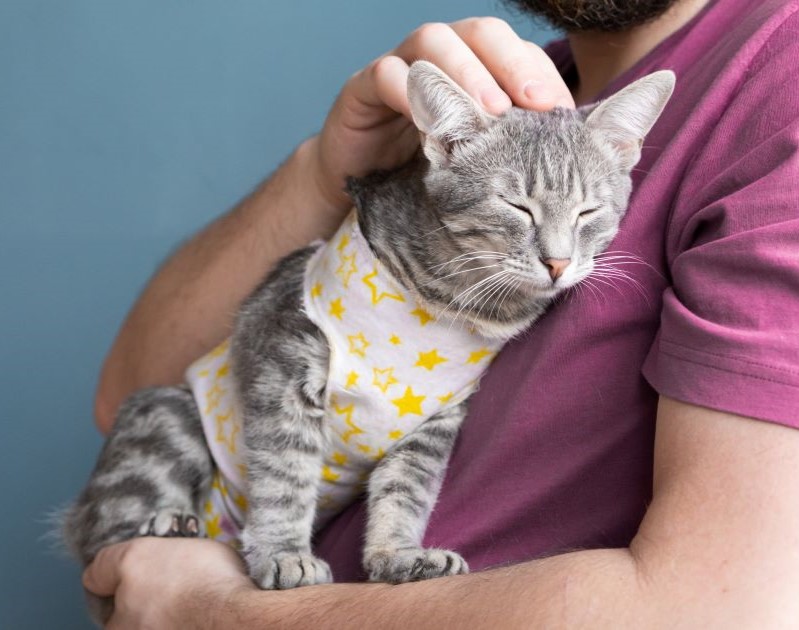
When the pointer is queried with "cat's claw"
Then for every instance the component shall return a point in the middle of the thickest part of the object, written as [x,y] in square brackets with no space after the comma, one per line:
[172,523]
[289,570]
[411,565]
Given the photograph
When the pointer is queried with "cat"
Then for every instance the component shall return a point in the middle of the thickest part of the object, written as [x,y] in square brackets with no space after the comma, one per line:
[461,249]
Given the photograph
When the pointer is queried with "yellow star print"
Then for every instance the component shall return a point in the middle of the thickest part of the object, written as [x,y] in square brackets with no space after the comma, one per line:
[347,413]
[395,340]
[395,435]
[383,379]
[241,501]
[337,308]
[445,398]
[223,370]
[227,440]
[219,350]
[430,360]
[358,344]
[329,475]
[352,379]
[339,458]
[342,244]
[213,397]
[346,269]
[479,355]
[316,290]
[408,403]
[378,296]
[423,315]
[212,527]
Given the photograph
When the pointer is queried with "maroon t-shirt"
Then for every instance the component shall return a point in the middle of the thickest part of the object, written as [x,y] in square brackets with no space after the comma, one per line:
[557,451]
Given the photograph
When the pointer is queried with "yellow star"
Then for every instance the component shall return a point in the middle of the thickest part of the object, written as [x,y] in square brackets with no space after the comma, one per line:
[316,290]
[212,527]
[346,269]
[358,344]
[242,469]
[387,379]
[395,435]
[337,308]
[209,507]
[342,244]
[377,297]
[408,403]
[223,370]
[203,373]
[430,359]
[364,448]
[423,315]
[213,397]
[445,398]
[395,340]
[339,458]
[329,475]
[241,501]
[217,483]
[220,349]
[227,440]
[352,379]
[379,455]
[347,413]
[479,355]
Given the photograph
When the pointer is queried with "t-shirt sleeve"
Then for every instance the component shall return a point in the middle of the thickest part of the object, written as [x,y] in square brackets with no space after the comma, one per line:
[729,332]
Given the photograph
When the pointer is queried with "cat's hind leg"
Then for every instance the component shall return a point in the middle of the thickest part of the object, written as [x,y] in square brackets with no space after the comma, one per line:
[402,490]
[151,478]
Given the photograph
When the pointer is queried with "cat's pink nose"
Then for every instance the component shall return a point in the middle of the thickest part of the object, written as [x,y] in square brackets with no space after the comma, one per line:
[556,266]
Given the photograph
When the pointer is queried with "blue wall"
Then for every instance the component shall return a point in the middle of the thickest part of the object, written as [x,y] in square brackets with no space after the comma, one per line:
[124,127]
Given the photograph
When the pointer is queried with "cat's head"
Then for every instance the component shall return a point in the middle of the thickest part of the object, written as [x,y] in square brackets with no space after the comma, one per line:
[520,203]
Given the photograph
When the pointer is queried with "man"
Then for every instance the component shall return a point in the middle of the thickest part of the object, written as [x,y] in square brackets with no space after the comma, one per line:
[644,444]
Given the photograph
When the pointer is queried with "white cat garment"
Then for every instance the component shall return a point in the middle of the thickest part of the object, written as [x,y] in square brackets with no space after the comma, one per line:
[392,366]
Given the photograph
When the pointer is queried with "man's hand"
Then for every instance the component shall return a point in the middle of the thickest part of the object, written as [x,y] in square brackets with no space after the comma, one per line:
[166,582]
[369,126]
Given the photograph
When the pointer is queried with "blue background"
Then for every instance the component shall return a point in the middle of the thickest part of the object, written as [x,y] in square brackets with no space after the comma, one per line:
[124,127]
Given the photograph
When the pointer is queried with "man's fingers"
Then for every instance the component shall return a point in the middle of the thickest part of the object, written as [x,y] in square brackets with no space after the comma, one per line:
[383,83]
[522,69]
[102,577]
[441,45]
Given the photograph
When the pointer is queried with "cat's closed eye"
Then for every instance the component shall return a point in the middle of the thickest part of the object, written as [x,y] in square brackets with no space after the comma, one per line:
[587,213]
[520,208]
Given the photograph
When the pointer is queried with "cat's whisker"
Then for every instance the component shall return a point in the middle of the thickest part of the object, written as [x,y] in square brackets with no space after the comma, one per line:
[465,293]
[457,273]
[492,294]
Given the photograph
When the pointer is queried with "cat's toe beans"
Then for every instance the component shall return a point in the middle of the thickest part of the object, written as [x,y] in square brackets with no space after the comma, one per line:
[172,523]
[410,565]
[289,570]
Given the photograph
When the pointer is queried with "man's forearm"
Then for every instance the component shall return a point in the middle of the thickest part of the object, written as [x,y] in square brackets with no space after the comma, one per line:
[189,304]
[596,589]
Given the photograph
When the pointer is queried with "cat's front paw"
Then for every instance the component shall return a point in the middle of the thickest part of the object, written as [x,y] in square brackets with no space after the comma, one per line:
[410,565]
[288,570]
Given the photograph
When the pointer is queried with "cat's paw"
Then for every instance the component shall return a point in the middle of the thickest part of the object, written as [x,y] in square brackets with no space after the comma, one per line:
[411,565]
[289,570]
[170,523]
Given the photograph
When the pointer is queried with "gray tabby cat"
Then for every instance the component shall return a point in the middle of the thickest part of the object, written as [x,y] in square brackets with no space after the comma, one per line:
[533,195]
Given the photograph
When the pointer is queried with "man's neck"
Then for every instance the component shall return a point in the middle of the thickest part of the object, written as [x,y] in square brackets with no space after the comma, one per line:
[601,57]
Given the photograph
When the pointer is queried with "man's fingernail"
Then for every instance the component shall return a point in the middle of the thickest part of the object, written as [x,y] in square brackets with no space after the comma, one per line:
[494,100]
[538,93]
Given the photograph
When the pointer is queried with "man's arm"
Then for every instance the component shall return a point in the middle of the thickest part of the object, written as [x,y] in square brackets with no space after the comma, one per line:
[189,304]
[718,547]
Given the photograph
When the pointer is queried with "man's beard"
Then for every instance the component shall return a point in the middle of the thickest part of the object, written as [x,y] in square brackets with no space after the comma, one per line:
[594,15]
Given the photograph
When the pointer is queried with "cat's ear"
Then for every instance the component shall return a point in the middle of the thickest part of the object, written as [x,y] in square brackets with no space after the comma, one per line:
[444,113]
[624,119]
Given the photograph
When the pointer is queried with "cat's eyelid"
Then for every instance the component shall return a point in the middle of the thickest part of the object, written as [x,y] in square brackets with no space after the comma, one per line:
[588,210]
[528,211]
